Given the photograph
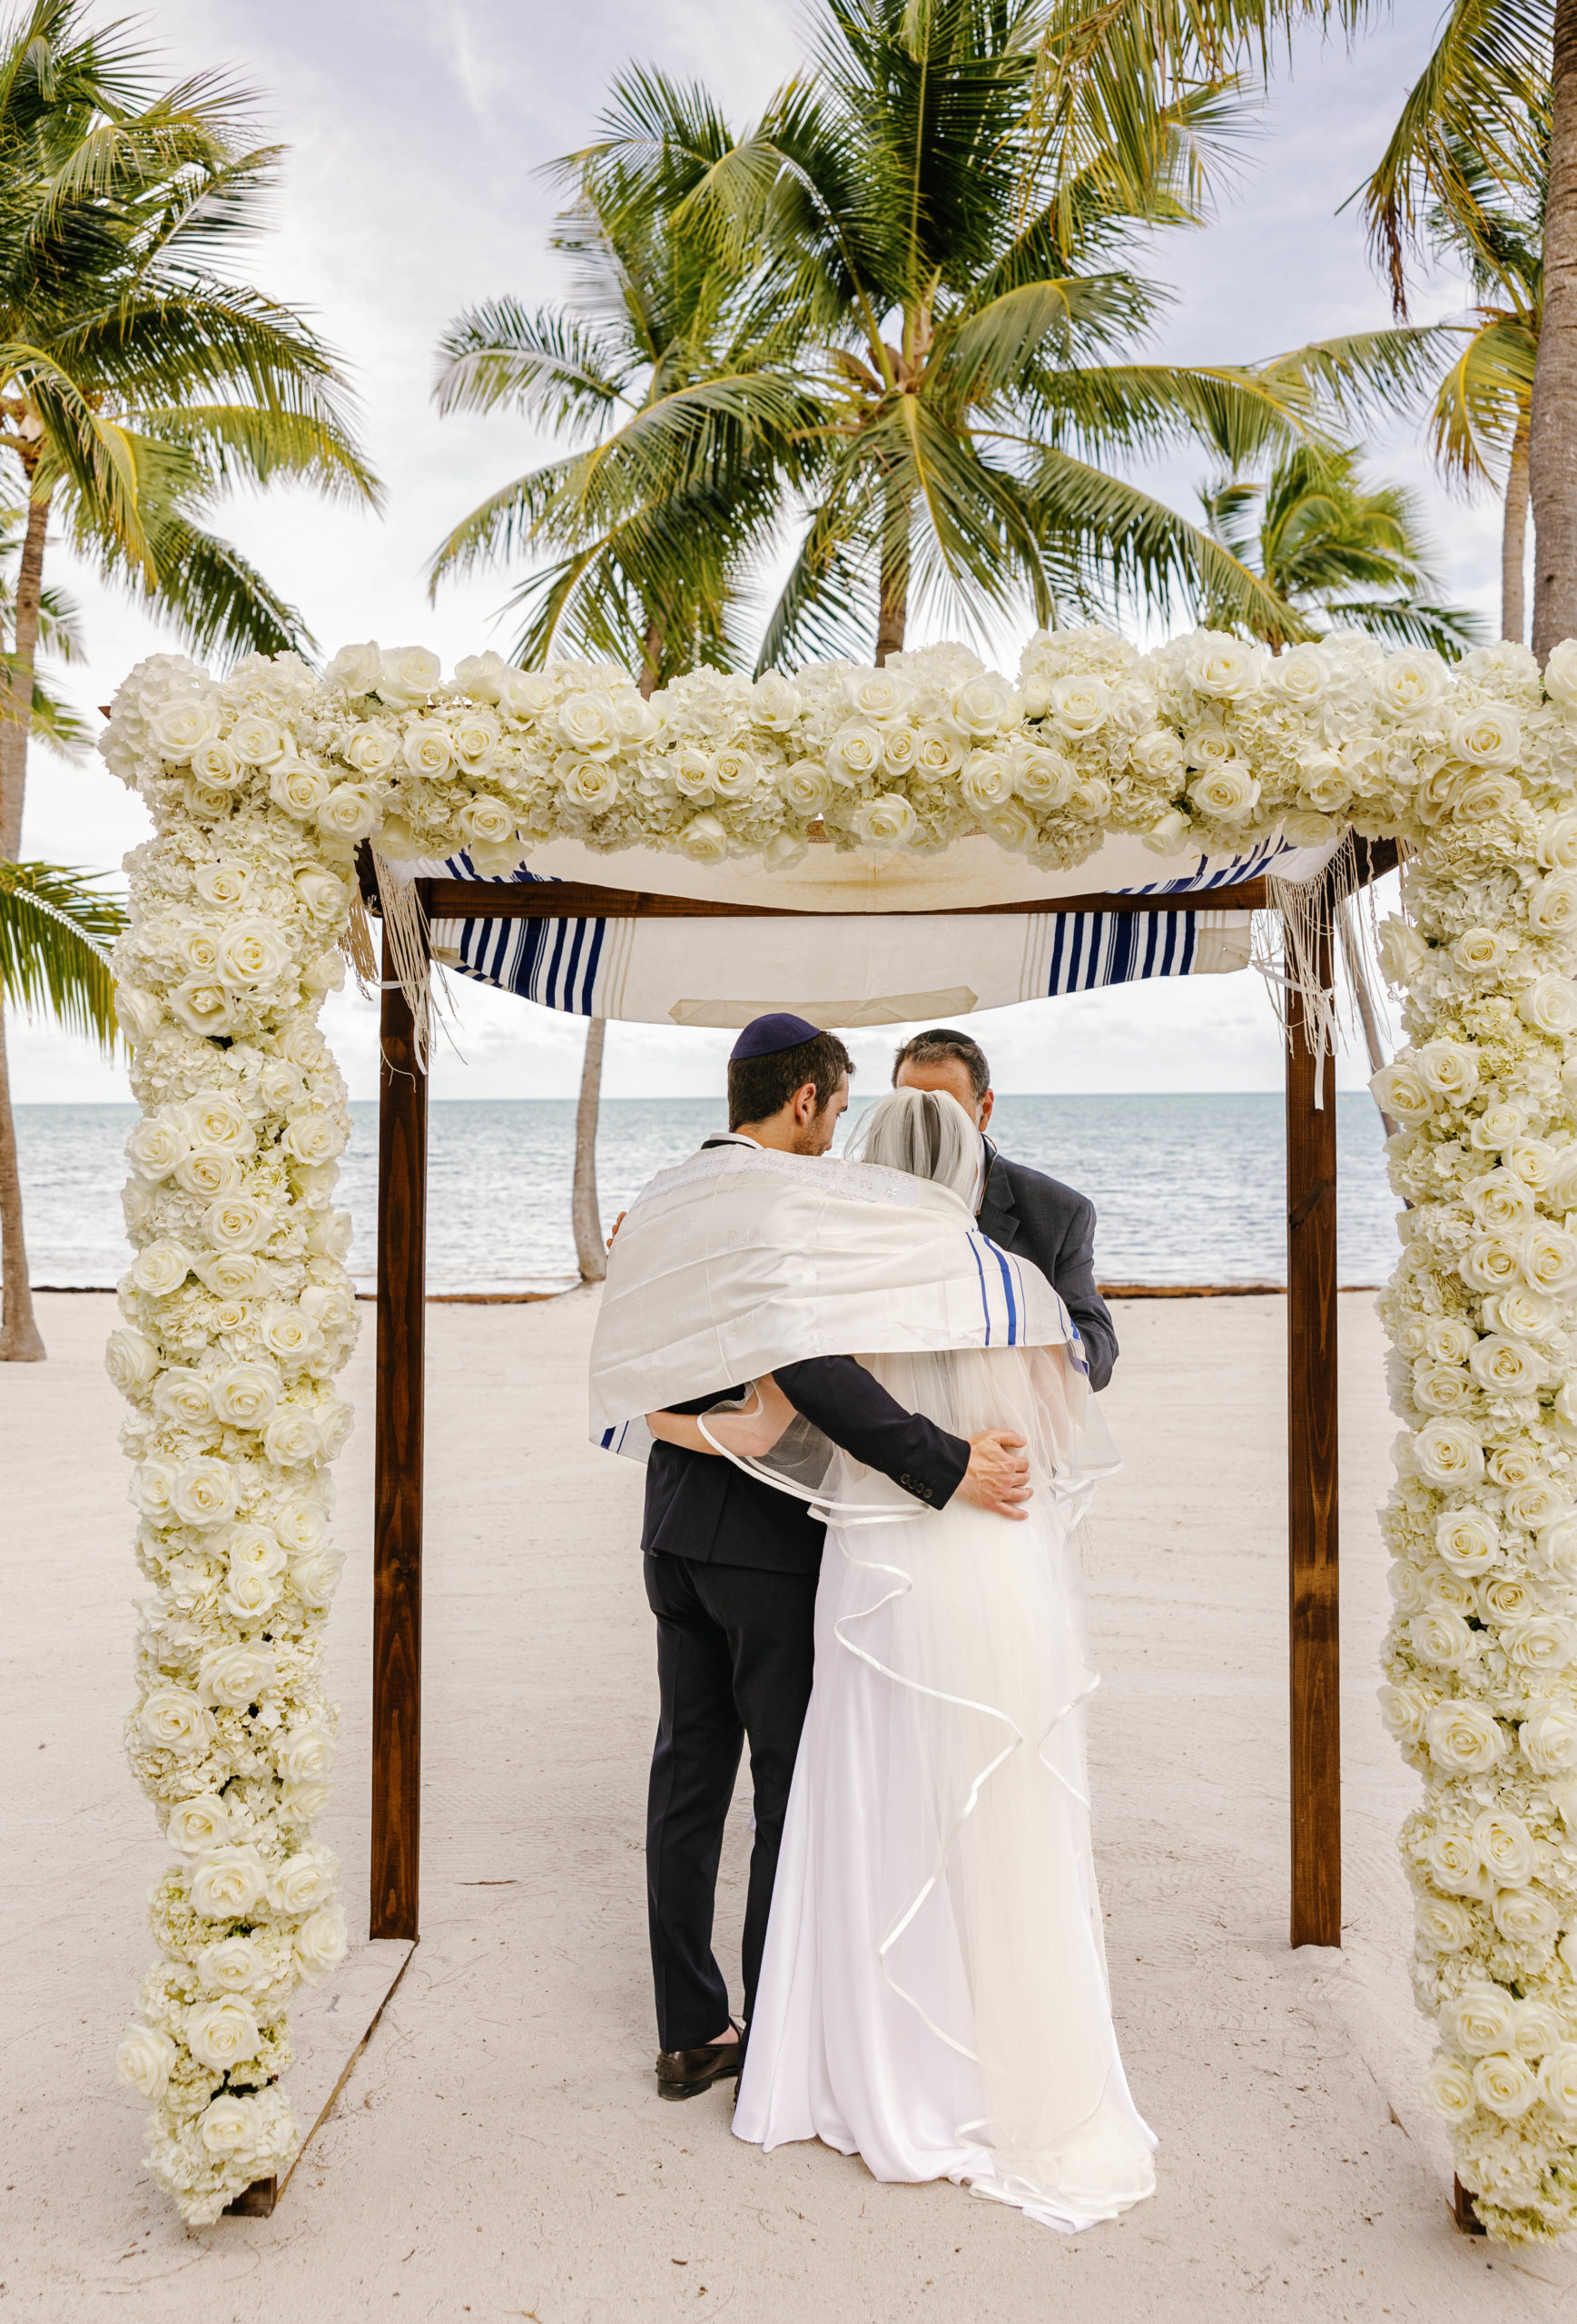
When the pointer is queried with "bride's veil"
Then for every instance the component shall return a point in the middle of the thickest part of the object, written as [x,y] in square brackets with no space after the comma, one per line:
[926,1133]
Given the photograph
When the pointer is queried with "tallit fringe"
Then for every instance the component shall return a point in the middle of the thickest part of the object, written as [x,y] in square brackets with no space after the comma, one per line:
[1287,954]
[356,945]
[406,926]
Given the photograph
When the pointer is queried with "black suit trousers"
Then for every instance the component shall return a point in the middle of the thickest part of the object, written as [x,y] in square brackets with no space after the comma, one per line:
[735,1650]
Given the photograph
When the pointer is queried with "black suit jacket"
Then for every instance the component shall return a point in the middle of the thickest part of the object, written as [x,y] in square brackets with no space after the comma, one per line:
[1047,1223]
[699,1506]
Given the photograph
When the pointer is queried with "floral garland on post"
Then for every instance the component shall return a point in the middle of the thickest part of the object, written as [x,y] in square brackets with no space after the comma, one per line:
[238,1312]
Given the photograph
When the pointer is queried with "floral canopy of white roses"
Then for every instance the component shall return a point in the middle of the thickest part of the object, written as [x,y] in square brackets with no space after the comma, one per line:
[237,1313]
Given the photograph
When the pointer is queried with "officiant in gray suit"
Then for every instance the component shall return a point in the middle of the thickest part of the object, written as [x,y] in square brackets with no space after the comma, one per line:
[1020,1209]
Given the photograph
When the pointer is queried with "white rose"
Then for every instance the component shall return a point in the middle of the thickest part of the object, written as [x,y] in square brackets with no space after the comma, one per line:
[152,1487]
[204,1006]
[1440,1387]
[257,742]
[234,1676]
[1540,2026]
[1548,1737]
[427,749]
[774,701]
[488,819]
[1223,667]
[348,814]
[1448,1453]
[524,693]
[474,737]
[299,1523]
[234,1274]
[586,726]
[1228,792]
[180,727]
[161,1268]
[1553,904]
[1042,778]
[1210,745]
[735,774]
[704,840]
[374,750]
[1012,826]
[181,1395]
[314,1138]
[236,1223]
[227,2126]
[1481,951]
[197,1826]
[216,764]
[1479,2021]
[1558,842]
[1542,1642]
[1327,786]
[298,789]
[1536,1502]
[1561,673]
[1403,1709]
[1449,1068]
[253,951]
[215,1122]
[589,784]
[900,749]
[1523,1916]
[1450,1339]
[480,676]
[1467,1541]
[859,749]
[244,1394]
[1300,676]
[321,1943]
[988,780]
[331,1238]
[315,1574]
[1483,795]
[1407,682]
[325,974]
[1524,1313]
[139,1014]
[407,675]
[1506,2086]
[1448,2086]
[1079,705]
[887,821]
[1158,755]
[290,1333]
[1440,1637]
[983,705]
[1494,1263]
[1445,1923]
[255,1549]
[146,2060]
[1501,1201]
[1549,1005]
[1558,2074]
[1505,1367]
[1490,736]
[1400,1091]
[322,893]
[1464,1737]
[205,1491]
[1508,1848]
[356,669]
[172,1718]
[305,1754]
[130,1359]
[303,1882]
[805,788]
[291,1437]
[1496,1127]
[1456,1865]
[222,2034]
[877,693]
[939,754]
[234,1966]
[1549,1260]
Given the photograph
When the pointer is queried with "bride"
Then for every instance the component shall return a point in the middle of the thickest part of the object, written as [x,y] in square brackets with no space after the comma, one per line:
[933,1995]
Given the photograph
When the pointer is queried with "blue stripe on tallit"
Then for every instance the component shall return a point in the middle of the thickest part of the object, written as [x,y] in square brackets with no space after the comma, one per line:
[1093,948]
[1000,1259]
[552,962]
[985,1302]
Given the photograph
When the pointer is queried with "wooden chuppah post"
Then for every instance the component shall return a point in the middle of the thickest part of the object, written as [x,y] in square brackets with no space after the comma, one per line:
[1314,1639]
[398,1457]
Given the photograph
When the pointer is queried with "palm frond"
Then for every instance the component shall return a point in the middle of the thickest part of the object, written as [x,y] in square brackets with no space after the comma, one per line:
[54,928]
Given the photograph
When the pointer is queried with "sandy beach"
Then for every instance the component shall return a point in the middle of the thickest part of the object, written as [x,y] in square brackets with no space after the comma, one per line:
[500,2150]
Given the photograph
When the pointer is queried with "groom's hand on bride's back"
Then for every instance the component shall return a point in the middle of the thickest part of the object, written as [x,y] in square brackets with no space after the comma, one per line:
[998,1476]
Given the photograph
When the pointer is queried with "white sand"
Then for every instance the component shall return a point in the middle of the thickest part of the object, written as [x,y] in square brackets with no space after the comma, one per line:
[500,2150]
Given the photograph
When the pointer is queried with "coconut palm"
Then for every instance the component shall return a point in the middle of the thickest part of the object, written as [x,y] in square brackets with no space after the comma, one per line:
[1344,555]
[137,383]
[947,244]
[56,928]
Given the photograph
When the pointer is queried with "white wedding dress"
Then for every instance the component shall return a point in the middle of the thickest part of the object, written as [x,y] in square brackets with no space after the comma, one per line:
[934,1995]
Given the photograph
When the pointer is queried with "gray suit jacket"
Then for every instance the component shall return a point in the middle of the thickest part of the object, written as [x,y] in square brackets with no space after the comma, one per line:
[1054,1228]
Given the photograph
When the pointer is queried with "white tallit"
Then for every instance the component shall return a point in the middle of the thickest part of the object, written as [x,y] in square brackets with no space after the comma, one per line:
[741,1259]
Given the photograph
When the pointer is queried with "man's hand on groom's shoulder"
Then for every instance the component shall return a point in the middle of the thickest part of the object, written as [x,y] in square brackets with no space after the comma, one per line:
[998,1476]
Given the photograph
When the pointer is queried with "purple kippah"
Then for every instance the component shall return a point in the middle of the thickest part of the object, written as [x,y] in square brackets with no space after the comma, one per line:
[765,1036]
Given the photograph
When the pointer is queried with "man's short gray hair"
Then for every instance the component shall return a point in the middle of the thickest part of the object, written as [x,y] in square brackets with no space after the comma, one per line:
[939,1046]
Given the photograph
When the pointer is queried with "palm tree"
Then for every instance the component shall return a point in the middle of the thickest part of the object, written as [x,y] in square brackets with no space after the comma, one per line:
[1483,160]
[677,381]
[943,226]
[56,929]
[1341,553]
[137,384]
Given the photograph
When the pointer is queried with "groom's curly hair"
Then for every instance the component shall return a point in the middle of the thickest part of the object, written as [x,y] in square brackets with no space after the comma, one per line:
[760,1086]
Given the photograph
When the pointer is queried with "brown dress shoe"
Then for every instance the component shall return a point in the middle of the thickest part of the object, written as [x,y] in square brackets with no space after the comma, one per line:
[685,2073]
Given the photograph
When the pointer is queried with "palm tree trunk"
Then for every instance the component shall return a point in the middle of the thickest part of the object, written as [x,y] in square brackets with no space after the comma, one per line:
[20,1342]
[590,1252]
[1553,447]
[892,615]
[1514,538]
[23,644]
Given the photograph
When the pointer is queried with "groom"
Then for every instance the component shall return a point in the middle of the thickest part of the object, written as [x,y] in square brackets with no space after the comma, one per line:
[731,1569]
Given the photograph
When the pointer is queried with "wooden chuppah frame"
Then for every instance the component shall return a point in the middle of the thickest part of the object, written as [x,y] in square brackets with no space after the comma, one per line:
[1314,1657]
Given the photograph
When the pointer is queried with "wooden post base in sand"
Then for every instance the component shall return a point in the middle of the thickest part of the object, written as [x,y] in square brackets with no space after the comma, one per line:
[1462,2213]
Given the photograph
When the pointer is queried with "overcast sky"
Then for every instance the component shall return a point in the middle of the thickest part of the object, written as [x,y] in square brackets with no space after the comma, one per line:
[416,131]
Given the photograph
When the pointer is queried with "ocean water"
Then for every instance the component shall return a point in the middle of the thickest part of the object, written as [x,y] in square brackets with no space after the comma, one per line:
[1188,1188]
